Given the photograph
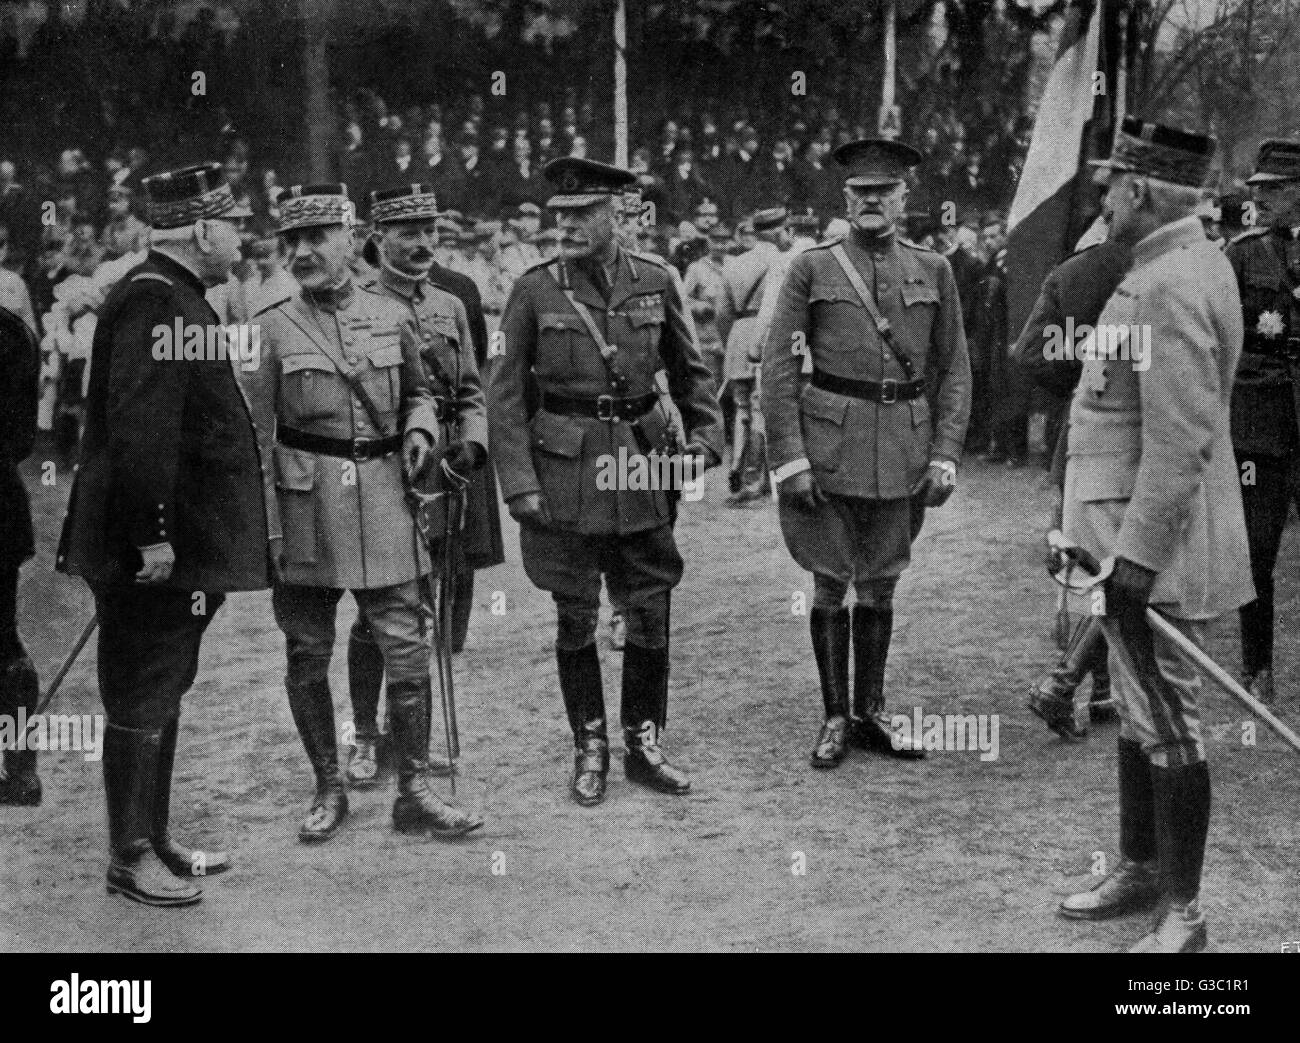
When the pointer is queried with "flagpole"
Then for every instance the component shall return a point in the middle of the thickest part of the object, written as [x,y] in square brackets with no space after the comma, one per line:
[891,62]
[620,84]
[1121,69]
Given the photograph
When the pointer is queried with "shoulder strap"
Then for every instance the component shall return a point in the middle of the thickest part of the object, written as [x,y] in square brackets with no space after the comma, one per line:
[869,302]
[749,297]
[605,350]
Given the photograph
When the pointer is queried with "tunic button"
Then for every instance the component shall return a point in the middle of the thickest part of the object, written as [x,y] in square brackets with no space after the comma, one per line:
[349,340]
[354,359]
[428,335]
[883,287]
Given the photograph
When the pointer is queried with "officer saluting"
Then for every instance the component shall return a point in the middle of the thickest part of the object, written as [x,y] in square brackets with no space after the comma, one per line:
[592,329]
[165,516]
[341,387]
[402,249]
[1266,393]
[861,322]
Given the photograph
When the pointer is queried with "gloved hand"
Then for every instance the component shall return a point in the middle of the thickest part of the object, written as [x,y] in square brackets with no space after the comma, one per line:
[1128,588]
[464,457]
[158,562]
[936,485]
[801,492]
[416,450]
[529,509]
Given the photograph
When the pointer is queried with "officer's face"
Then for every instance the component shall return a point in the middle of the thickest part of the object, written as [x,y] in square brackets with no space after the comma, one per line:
[218,250]
[585,231]
[318,257]
[1119,207]
[875,209]
[408,246]
[1277,202]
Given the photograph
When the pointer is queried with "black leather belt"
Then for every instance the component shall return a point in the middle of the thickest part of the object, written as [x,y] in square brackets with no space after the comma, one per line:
[884,392]
[604,407]
[348,448]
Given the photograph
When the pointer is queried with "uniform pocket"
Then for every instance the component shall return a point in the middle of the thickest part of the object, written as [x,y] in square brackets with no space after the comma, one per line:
[310,385]
[295,483]
[823,416]
[557,457]
[919,293]
[557,337]
[382,376]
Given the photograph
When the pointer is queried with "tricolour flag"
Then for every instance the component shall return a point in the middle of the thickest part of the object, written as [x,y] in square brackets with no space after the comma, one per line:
[1040,213]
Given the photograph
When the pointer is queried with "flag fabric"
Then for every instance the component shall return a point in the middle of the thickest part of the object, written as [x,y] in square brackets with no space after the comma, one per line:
[1040,212]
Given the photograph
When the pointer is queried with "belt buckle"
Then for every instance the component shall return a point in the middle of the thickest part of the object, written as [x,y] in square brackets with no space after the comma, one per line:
[888,392]
[360,447]
[605,407]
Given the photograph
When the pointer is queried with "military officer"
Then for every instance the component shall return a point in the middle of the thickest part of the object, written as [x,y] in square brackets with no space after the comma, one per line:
[1266,395]
[591,331]
[342,409]
[1151,482]
[402,250]
[705,287]
[860,323]
[1075,291]
[20,363]
[744,278]
[165,515]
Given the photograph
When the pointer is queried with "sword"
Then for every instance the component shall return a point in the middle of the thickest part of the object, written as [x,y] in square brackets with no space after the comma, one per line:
[1078,560]
[418,502]
[68,660]
[456,485]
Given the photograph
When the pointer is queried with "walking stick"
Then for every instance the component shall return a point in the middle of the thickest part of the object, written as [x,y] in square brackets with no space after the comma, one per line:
[68,660]
[1096,573]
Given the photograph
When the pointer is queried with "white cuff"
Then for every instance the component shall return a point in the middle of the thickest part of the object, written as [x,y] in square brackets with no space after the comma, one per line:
[794,467]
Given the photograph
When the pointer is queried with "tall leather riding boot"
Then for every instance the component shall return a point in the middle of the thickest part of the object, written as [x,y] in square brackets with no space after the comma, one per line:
[872,630]
[177,857]
[365,676]
[1137,809]
[19,689]
[829,628]
[1052,699]
[584,702]
[1101,703]
[418,809]
[644,711]
[1133,885]
[130,779]
[1182,820]
[462,604]
[313,713]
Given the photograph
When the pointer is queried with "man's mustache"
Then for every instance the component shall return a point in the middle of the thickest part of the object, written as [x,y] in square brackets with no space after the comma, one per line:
[421,255]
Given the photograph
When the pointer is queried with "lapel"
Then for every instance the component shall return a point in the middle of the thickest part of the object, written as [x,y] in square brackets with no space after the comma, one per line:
[584,291]
[301,315]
